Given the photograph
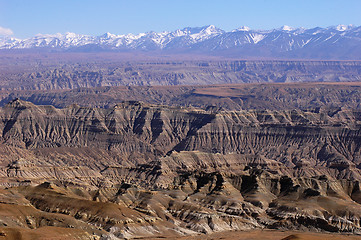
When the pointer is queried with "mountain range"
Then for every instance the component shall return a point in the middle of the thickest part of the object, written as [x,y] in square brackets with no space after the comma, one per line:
[336,42]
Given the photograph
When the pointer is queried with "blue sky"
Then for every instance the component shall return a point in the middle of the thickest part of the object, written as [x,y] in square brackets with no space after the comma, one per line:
[26,18]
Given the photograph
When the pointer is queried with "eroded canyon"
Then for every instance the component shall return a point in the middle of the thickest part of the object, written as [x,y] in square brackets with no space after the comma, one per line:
[142,170]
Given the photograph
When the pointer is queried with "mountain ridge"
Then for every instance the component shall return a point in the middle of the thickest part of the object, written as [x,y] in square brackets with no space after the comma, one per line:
[286,42]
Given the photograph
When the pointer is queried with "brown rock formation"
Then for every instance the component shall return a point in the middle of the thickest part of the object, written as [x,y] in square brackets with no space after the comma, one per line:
[140,170]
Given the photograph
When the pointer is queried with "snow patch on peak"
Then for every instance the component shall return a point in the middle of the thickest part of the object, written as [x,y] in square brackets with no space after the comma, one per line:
[179,33]
[257,37]
[206,32]
[343,28]
[242,29]
[286,28]
[71,35]
[132,36]
[211,29]
[108,35]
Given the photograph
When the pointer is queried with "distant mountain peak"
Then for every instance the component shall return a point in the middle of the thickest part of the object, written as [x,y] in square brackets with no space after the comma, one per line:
[242,29]
[343,28]
[108,35]
[286,28]
[71,35]
[212,29]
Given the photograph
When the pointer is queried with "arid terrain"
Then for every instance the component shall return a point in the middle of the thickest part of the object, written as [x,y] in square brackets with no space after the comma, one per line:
[105,79]
[270,96]
[180,120]
[45,71]
[184,148]
[140,170]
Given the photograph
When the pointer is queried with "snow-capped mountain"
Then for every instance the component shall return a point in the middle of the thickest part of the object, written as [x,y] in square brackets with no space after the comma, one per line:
[338,42]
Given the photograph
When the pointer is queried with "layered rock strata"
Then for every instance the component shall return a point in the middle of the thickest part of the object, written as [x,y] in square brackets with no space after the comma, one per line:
[139,170]
[56,71]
